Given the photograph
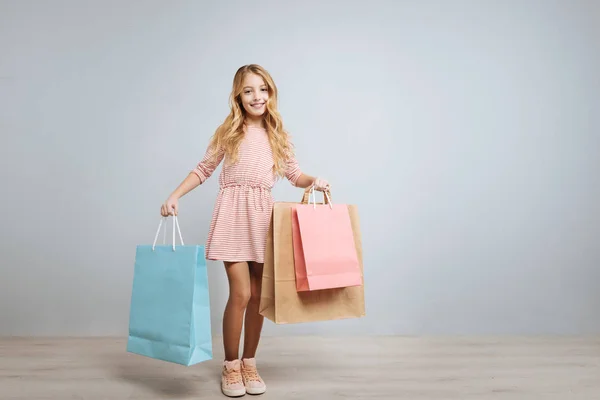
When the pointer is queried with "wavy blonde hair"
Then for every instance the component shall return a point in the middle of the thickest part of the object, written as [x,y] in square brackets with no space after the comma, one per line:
[230,133]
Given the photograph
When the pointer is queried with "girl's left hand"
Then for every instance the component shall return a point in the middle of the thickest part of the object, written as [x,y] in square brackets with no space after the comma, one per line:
[321,185]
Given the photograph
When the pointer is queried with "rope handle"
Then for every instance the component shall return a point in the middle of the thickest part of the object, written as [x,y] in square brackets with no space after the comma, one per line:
[326,198]
[308,191]
[175,224]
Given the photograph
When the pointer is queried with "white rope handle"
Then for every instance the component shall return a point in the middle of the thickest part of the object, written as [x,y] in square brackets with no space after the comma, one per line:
[312,192]
[175,224]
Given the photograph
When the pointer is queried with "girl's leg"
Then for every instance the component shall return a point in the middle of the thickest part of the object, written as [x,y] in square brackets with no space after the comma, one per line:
[253,325]
[254,321]
[238,275]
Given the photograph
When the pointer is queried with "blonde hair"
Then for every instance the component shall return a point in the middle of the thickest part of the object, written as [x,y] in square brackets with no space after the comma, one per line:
[230,133]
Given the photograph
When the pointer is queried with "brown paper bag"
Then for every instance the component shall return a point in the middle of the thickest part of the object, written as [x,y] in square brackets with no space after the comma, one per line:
[280,301]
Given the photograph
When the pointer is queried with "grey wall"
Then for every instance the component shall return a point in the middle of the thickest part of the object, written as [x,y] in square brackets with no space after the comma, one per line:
[472,150]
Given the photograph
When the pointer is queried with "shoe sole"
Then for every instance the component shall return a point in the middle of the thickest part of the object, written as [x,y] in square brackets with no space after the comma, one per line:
[233,393]
[256,391]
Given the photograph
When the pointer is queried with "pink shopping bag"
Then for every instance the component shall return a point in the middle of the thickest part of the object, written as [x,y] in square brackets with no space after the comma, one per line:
[324,250]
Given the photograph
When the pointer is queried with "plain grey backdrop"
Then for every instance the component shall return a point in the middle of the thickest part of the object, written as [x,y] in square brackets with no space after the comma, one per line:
[467,132]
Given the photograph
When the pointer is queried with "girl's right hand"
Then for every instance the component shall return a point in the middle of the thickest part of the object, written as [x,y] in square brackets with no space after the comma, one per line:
[170,207]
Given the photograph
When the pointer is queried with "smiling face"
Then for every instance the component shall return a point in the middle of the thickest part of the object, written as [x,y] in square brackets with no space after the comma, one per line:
[254,95]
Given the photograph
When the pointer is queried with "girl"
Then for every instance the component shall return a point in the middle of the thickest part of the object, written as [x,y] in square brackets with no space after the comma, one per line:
[257,151]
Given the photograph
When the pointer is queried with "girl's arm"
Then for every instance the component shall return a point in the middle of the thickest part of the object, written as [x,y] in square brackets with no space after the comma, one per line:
[196,177]
[171,205]
[299,179]
[189,183]
[305,181]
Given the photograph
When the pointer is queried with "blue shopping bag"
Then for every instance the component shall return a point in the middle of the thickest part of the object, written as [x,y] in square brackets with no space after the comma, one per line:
[169,316]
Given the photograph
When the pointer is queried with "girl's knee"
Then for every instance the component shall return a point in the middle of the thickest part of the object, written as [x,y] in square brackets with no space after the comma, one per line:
[240,298]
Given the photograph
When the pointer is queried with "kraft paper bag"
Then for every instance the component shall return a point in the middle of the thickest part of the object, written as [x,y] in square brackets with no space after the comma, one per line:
[280,301]
[325,255]
[170,308]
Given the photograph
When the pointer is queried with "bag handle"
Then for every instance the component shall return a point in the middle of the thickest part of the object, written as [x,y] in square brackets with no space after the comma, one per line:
[311,192]
[307,193]
[175,224]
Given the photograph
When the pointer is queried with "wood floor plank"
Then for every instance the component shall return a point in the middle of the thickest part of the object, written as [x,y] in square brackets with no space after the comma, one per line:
[315,368]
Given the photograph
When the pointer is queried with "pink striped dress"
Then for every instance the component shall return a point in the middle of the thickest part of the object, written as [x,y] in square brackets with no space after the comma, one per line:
[242,211]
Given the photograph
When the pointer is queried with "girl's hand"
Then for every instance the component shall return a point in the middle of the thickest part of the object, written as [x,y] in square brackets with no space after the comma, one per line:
[170,207]
[321,185]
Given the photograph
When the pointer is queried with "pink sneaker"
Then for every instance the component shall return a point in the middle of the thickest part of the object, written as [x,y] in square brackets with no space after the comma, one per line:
[252,380]
[232,384]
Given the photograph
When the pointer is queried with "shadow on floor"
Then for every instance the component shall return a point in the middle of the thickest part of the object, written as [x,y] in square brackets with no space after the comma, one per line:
[168,380]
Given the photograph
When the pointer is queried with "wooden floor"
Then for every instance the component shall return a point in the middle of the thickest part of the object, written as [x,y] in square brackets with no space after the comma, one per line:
[313,368]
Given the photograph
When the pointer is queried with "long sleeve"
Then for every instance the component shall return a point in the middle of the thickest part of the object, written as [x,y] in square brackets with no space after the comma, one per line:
[293,171]
[208,164]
